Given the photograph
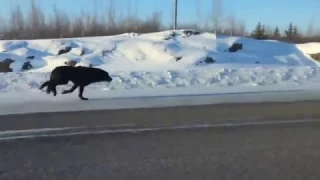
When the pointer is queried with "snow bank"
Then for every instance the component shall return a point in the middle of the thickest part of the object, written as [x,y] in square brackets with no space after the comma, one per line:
[235,78]
[169,59]
[154,51]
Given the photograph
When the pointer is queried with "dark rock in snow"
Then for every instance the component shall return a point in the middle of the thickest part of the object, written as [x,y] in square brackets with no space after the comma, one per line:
[190,32]
[71,63]
[235,47]
[105,52]
[178,58]
[209,60]
[82,52]
[65,50]
[26,66]
[30,57]
[5,65]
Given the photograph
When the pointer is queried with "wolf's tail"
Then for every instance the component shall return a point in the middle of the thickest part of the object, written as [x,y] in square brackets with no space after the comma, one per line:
[49,86]
[44,85]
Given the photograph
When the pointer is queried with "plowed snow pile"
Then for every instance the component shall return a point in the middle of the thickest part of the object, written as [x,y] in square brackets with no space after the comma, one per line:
[168,59]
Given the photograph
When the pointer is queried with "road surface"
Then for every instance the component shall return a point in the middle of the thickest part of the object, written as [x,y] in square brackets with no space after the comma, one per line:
[35,102]
[165,116]
[266,141]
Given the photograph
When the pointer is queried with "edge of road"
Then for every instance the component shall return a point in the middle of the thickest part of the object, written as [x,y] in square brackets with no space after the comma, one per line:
[130,128]
[156,117]
[75,105]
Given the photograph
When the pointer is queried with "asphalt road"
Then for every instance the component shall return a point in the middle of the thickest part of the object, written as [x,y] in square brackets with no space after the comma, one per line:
[276,151]
[165,116]
[253,149]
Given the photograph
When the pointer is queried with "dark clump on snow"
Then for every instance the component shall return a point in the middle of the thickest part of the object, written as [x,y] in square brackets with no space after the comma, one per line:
[134,34]
[170,36]
[5,65]
[65,50]
[186,33]
[30,57]
[235,47]
[207,60]
[71,63]
[178,58]
[26,66]
[82,52]
[190,32]
[105,52]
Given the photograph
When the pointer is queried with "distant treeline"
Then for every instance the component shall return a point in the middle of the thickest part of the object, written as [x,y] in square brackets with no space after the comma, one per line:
[35,24]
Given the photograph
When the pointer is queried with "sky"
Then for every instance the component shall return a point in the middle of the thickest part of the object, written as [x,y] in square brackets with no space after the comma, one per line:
[270,12]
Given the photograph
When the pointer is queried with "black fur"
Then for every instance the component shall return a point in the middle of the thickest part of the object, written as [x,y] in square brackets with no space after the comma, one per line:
[80,76]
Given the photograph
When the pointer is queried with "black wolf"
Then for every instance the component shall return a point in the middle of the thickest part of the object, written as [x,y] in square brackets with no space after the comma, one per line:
[80,76]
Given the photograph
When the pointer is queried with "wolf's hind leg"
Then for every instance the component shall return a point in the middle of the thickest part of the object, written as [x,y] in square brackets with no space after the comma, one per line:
[74,87]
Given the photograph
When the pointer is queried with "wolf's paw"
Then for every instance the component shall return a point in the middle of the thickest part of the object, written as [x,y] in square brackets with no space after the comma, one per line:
[83,98]
[65,92]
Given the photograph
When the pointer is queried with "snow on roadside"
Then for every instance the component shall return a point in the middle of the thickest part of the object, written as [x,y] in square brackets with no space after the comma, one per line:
[234,78]
[153,51]
[163,59]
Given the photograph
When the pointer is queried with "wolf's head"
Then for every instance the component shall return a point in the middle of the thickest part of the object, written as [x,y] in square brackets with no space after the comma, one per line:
[97,74]
[107,77]
[104,75]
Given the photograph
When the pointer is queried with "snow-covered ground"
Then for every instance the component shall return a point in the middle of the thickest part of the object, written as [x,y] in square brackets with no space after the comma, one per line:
[168,63]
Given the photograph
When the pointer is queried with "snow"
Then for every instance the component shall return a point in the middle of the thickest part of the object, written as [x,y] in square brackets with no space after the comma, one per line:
[152,97]
[150,52]
[309,48]
[157,66]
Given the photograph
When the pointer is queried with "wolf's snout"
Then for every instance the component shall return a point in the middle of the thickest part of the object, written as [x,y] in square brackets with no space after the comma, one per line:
[109,79]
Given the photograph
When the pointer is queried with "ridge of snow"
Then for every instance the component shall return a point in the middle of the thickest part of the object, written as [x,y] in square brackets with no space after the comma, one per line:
[168,59]
[133,52]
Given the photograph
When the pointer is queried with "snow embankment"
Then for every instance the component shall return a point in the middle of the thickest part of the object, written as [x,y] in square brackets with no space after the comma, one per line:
[147,52]
[168,59]
[215,78]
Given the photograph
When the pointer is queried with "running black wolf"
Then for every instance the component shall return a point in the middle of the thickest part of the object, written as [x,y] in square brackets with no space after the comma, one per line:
[80,76]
